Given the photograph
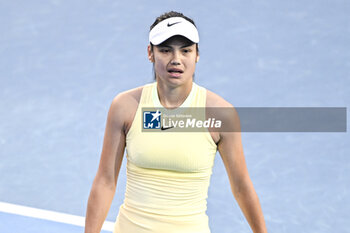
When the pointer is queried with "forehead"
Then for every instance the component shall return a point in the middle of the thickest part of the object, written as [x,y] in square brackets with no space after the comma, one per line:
[176,41]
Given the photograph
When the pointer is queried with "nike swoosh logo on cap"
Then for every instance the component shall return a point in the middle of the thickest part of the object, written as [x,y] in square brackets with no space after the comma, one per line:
[171,24]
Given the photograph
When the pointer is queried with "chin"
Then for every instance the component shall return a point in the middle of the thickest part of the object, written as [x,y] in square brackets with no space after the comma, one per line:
[174,80]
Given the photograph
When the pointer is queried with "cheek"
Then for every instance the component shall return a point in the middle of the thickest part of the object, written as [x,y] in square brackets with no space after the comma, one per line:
[191,65]
[159,66]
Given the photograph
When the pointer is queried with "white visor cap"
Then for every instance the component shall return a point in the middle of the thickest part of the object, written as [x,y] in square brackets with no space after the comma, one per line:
[171,27]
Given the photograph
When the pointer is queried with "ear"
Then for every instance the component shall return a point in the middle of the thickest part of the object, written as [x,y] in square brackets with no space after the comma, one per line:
[197,58]
[197,53]
[150,54]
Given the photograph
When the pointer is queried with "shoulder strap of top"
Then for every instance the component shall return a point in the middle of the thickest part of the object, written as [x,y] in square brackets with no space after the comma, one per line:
[199,100]
[146,95]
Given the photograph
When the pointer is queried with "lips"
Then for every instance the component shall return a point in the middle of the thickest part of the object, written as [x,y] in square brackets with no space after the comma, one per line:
[175,70]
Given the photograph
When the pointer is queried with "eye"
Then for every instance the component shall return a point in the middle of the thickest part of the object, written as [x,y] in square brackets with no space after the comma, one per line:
[164,50]
[186,50]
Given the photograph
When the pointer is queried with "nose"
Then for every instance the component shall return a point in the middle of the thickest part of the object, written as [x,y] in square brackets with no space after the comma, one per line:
[176,58]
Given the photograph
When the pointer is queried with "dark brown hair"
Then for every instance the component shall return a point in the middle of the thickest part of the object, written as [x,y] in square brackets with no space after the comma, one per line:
[170,14]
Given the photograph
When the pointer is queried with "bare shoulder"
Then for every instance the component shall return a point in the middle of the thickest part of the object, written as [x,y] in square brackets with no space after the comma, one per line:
[124,106]
[227,112]
[128,97]
[215,100]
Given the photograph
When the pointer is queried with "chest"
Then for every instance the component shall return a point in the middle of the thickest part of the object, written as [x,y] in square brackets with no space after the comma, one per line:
[183,152]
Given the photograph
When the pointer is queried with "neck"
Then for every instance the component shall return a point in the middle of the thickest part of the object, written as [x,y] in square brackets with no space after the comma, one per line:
[173,96]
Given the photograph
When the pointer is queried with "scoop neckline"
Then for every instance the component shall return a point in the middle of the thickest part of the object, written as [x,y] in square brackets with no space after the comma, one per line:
[186,103]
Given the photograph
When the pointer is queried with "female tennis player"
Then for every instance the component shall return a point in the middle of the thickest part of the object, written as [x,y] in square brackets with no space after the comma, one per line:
[168,173]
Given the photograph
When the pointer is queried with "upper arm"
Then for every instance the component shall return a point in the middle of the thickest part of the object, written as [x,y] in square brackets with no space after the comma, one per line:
[230,142]
[231,151]
[114,140]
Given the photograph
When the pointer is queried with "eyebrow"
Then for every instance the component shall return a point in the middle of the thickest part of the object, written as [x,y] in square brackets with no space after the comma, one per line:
[168,46]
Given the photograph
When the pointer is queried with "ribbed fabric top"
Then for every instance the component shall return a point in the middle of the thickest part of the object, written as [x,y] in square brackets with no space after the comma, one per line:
[168,173]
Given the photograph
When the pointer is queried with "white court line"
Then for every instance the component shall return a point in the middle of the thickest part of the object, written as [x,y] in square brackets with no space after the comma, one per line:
[49,215]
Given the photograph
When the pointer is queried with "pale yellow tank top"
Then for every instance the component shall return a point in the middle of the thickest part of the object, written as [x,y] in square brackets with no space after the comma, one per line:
[168,174]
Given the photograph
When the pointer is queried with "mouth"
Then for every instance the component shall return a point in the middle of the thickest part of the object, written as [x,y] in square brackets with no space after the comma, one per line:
[175,72]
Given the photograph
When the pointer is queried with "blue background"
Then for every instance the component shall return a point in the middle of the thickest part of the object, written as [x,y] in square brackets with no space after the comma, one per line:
[62,63]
